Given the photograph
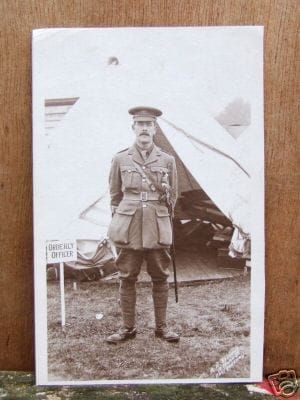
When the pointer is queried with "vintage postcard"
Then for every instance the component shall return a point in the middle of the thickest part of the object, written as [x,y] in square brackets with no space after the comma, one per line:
[148,164]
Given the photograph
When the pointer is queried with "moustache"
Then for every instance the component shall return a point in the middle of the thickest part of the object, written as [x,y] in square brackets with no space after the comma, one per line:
[144,133]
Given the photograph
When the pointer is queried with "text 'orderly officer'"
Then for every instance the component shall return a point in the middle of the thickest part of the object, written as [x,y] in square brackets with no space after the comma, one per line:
[143,179]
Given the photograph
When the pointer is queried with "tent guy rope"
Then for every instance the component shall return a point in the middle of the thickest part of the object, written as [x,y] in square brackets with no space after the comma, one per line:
[208,146]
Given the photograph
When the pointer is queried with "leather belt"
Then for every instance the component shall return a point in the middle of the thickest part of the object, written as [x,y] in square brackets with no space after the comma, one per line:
[142,196]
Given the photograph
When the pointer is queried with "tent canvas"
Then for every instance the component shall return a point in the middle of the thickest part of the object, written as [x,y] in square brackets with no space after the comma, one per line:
[79,177]
[78,151]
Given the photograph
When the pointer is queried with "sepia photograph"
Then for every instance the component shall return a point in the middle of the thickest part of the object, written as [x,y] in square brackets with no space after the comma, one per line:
[148,167]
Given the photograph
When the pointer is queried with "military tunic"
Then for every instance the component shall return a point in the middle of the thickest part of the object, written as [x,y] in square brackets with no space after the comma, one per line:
[141,220]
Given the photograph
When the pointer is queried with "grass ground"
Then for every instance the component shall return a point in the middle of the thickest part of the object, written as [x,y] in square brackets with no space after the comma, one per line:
[212,318]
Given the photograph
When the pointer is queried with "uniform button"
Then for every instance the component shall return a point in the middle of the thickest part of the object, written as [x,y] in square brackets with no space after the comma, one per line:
[144,167]
[144,180]
[144,205]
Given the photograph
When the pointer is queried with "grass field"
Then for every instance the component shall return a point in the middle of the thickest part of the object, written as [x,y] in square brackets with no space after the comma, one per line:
[213,319]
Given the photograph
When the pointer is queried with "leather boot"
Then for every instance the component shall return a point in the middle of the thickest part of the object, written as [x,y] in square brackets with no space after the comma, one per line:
[122,335]
[160,300]
[127,302]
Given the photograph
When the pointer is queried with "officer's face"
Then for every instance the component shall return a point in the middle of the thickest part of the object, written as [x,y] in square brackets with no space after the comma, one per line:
[144,132]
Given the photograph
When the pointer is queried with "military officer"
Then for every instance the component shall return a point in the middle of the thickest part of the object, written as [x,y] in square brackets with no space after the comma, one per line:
[143,179]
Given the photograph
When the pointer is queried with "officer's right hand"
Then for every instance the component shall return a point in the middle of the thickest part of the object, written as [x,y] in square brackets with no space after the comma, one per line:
[113,210]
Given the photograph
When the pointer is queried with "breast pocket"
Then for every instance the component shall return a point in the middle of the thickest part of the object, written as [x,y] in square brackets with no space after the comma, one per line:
[118,230]
[130,177]
[159,174]
[164,226]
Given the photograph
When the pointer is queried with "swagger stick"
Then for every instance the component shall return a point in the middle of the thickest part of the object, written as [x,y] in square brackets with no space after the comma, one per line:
[173,254]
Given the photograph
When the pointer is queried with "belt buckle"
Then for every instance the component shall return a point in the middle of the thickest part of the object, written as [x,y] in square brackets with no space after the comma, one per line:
[144,196]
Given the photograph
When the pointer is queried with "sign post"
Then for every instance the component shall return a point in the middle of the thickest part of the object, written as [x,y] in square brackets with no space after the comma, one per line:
[62,294]
[60,251]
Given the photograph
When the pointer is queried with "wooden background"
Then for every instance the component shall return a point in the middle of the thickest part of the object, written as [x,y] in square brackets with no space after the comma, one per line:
[281,20]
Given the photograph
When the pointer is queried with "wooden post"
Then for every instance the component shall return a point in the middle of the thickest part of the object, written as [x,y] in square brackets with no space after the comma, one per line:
[62,295]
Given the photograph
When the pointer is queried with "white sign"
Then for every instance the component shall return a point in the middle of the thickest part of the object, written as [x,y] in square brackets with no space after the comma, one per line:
[61,251]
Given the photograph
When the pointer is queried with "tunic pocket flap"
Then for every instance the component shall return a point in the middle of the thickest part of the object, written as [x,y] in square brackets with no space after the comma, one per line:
[127,168]
[126,211]
[159,169]
[162,212]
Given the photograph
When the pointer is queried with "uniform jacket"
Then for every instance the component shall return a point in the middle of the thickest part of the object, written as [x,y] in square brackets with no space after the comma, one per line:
[138,224]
